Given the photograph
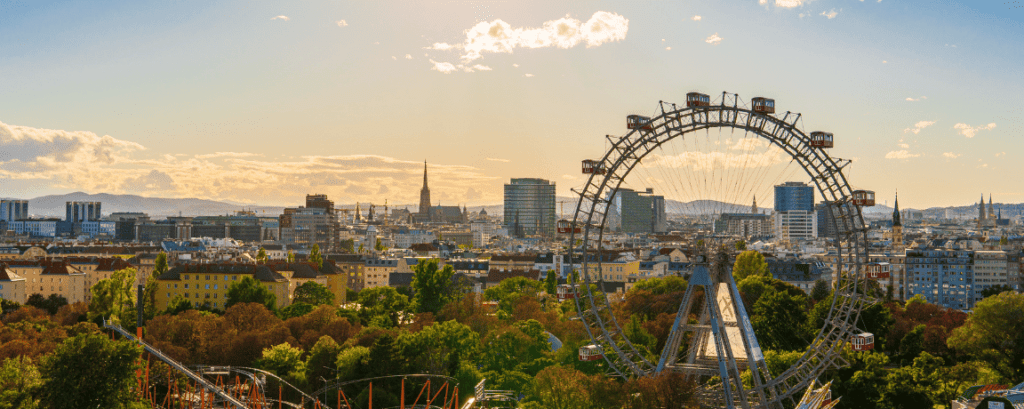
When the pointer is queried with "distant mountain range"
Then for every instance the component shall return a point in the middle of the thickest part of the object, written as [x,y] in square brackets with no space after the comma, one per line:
[53,205]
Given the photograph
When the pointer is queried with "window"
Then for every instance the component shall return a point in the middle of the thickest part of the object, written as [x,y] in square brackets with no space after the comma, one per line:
[215,286]
[233,278]
[186,285]
[207,277]
[186,295]
[168,295]
[168,285]
[207,286]
[184,277]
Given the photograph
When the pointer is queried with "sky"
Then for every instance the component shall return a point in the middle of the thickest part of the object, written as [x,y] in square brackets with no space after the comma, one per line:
[263,102]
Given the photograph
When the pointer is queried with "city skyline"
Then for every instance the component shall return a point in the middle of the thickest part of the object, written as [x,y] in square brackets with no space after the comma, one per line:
[268,102]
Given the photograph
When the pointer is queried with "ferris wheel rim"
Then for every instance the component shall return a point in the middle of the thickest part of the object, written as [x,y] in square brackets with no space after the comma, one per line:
[797,145]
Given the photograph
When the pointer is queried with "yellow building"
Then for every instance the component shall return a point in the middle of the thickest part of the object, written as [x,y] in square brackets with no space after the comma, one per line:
[352,266]
[96,269]
[337,281]
[616,273]
[51,276]
[12,286]
[298,274]
[377,272]
[208,283]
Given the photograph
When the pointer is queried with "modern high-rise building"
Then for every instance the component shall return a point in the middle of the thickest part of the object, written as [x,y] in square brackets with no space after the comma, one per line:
[826,227]
[637,212]
[794,196]
[530,207]
[77,212]
[12,209]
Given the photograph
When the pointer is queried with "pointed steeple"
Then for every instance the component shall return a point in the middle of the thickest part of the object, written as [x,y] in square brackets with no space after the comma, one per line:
[424,174]
[753,208]
[896,211]
[991,210]
[981,209]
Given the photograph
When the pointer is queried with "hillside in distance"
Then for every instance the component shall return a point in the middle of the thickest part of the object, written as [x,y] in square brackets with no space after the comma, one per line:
[54,205]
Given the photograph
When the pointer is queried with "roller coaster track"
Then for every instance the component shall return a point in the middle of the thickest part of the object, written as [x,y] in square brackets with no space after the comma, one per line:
[178,366]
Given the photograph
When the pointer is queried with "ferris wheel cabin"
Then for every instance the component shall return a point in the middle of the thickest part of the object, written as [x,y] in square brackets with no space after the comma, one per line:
[696,99]
[566,227]
[639,122]
[763,105]
[590,353]
[591,166]
[821,139]
[864,197]
[865,341]
[877,271]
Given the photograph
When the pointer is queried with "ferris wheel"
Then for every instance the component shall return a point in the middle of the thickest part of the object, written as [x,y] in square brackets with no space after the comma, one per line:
[720,344]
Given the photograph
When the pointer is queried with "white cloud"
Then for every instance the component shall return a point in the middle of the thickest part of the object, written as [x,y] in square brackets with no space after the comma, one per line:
[57,160]
[952,155]
[1000,154]
[498,160]
[440,46]
[408,56]
[788,3]
[919,126]
[226,155]
[342,23]
[714,39]
[528,75]
[480,67]
[285,18]
[901,154]
[515,65]
[445,67]
[970,131]
[884,62]
[568,176]
[831,14]
[668,48]
[497,36]
[394,58]
[916,99]
[904,146]
[696,18]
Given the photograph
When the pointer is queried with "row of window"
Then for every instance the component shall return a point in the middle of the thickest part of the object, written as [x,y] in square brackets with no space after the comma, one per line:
[215,286]
[186,276]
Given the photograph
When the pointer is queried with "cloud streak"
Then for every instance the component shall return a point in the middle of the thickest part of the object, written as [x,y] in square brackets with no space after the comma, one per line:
[918,127]
[285,18]
[81,160]
[713,39]
[901,154]
[971,131]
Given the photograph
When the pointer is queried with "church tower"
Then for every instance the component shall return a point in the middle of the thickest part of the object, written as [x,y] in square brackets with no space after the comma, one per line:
[753,208]
[897,227]
[981,212]
[991,210]
[425,197]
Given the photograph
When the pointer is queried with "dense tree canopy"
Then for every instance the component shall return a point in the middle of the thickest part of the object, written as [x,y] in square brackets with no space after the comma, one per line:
[433,287]
[749,263]
[90,370]
[313,293]
[249,289]
[994,333]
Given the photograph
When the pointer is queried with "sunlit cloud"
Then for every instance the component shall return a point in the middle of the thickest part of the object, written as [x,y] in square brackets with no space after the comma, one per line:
[527,75]
[696,18]
[901,154]
[285,18]
[80,160]
[971,131]
[830,14]
[904,146]
[952,155]
[342,23]
[498,160]
[480,67]
[1000,154]
[498,36]
[408,56]
[785,3]
[714,39]
[909,99]
[918,127]
[445,67]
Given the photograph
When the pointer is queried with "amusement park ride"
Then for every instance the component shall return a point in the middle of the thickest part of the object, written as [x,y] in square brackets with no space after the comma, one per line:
[715,344]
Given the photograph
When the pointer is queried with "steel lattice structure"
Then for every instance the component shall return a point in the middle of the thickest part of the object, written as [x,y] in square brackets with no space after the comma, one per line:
[850,245]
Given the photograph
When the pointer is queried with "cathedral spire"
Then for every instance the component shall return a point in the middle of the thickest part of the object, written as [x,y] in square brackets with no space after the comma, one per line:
[424,174]
[753,208]
[896,211]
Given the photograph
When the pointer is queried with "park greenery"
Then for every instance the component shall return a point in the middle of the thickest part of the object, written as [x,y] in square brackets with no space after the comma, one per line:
[924,355]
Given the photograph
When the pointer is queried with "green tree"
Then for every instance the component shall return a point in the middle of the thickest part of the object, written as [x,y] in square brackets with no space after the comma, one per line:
[551,283]
[282,359]
[348,245]
[50,304]
[996,289]
[741,245]
[749,263]
[249,289]
[820,291]
[261,256]
[911,344]
[19,382]
[432,287]
[178,305]
[662,285]
[353,363]
[1003,241]
[902,390]
[315,257]
[636,334]
[115,297]
[378,246]
[295,309]
[90,371]
[507,292]
[994,333]
[439,348]
[291,256]
[149,293]
[778,320]
[313,294]
[515,347]
[382,306]
[322,360]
